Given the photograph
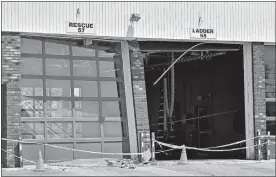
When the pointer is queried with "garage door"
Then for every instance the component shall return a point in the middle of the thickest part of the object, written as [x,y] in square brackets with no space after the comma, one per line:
[72,96]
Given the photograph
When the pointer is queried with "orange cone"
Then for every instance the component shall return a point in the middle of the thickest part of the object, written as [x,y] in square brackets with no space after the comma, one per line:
[183,157]
[39,163]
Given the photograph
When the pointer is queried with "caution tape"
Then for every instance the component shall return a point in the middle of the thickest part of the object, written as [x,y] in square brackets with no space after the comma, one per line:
[161,151]
[208,150]
[71,149]
[160,143]
[158,152]
[235,143]
[200,117]
[19,157]
[212,148]
[47,164]
[169,145]
[223,150]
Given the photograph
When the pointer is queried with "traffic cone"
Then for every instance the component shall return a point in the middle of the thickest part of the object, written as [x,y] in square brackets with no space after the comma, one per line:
[183,157]
[39,163]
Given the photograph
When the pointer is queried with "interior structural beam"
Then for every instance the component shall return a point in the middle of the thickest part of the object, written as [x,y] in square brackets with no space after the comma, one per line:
[150,46]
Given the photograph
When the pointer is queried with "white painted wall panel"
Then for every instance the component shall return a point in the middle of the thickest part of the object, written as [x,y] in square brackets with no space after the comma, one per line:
[233,21]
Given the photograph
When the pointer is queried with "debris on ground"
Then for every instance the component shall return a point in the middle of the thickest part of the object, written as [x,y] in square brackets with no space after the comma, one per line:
[147,156]
[127,163]
[122,163]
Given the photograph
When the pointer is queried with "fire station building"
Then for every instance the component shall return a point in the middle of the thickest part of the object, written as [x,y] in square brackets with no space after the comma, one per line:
[95,76]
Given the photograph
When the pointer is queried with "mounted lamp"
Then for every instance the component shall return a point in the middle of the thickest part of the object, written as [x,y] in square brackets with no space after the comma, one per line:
[135,17]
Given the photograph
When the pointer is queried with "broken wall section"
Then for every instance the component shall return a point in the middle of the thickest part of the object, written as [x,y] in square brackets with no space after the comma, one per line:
[139,92]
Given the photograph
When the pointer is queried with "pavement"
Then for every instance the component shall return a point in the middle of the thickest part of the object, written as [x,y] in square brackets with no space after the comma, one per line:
[163,168]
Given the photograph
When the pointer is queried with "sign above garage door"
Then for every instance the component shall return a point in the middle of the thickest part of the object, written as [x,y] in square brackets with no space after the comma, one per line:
[203,33]
[80,28]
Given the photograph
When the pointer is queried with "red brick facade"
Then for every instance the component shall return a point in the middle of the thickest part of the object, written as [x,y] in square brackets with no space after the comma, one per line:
[10,78]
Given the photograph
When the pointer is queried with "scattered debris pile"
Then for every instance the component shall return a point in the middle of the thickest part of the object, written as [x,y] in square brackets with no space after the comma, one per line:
[122,163]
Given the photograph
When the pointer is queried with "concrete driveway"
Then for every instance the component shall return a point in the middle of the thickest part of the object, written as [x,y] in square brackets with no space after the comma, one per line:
[163,168]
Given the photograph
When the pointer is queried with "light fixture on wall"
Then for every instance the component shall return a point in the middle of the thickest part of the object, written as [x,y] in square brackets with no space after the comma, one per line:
[78,13]
[199,21]
[135,17]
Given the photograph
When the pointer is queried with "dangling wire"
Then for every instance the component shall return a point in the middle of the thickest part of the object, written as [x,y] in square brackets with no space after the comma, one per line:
[165,104]
[167,90]
[165,107]
[172,92]
[176,62]
[169,99]
[172,89]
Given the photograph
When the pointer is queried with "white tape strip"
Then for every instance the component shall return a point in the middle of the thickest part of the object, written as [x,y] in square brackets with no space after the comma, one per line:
[160,143]
[221,150]
[19,157]
[204,149]
[106,153]
[214,150]
[158,152]
[231,144]
[169,145]
[214,147]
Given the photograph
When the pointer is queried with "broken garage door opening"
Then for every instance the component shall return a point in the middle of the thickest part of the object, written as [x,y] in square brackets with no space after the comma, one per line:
[207,80]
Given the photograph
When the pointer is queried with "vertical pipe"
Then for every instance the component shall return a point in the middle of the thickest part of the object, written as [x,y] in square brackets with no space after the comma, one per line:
[259,145]
[142,143]
[153,146]
[172,92]
[142,146]
[165,105]
[267,146]
[20,153]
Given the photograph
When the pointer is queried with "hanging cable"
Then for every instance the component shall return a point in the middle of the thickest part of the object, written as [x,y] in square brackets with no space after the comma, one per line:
[172,89]
[169,99]
[165,105]
[168,90]
[166,99]
[175,62]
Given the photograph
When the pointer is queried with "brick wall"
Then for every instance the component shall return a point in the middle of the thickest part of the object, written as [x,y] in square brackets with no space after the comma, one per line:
[270,86]
[10,66]
[139,91]
[259,94]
